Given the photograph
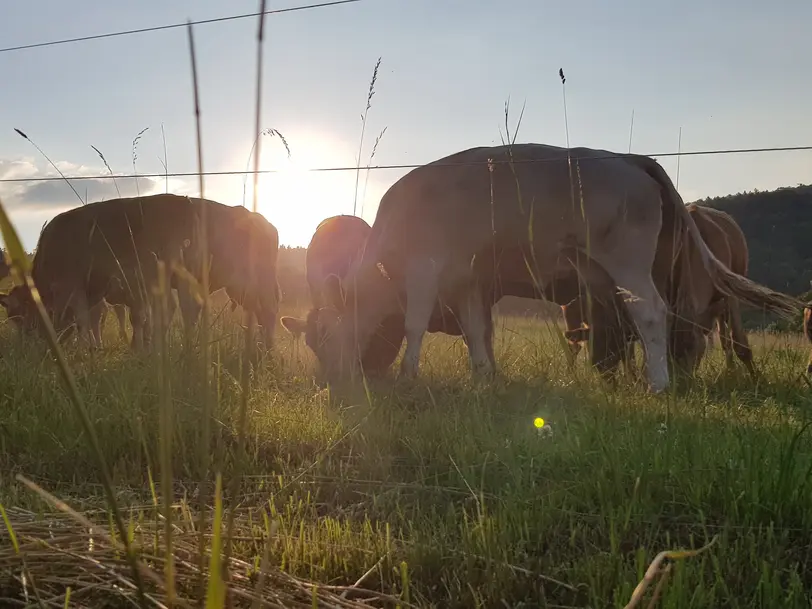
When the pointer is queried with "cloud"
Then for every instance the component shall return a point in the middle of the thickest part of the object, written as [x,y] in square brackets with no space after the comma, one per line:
[56,195]
[32,203]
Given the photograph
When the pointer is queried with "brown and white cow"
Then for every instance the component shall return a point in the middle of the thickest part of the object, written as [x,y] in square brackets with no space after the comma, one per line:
[434,221]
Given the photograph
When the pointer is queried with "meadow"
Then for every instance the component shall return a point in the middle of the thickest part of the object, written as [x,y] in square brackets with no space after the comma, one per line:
[437,493]
[157,480]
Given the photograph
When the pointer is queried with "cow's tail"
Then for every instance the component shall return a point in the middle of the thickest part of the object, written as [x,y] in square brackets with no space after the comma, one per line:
[725,280]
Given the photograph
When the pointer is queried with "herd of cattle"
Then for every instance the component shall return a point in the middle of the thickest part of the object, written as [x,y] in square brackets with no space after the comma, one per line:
[606,236]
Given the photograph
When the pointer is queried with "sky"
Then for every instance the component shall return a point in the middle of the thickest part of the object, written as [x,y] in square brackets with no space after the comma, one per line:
[728,73]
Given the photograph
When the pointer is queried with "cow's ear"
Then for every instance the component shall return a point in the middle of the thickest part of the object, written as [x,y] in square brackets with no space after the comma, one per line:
[294,325]
[334,292]
[577,335]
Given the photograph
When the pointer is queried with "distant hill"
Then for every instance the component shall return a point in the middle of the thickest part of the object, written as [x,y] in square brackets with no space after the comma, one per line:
[778,228]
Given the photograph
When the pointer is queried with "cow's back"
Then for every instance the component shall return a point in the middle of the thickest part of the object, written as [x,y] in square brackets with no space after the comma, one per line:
[101,239]
[459,205]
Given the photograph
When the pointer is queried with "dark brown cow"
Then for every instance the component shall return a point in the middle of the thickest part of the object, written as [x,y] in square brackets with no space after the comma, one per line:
[110,246]
[232,229]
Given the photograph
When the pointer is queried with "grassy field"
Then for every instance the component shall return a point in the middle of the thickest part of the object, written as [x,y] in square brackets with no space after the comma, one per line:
[438,493]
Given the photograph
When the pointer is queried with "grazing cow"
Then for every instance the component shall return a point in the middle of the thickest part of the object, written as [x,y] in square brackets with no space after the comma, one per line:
[433,223]
[688,334]
[233,232]
[339,240]
[89,252]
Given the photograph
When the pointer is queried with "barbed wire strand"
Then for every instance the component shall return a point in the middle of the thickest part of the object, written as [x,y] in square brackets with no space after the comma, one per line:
[235,172]
[169,26]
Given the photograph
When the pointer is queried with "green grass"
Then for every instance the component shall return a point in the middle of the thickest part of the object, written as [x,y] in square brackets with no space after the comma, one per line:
[445,475]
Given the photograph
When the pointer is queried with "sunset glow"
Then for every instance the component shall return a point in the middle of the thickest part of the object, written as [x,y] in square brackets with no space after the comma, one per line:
[296,197]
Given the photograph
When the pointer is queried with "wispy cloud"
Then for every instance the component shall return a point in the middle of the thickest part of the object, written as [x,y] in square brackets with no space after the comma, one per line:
[56,195]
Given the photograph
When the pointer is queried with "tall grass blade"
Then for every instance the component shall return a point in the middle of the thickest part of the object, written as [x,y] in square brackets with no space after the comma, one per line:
[20,264]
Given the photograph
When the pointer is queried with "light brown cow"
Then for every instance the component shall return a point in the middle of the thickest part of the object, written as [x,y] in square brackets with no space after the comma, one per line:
[434,221]
[89,252]
[340,239]
[243,248]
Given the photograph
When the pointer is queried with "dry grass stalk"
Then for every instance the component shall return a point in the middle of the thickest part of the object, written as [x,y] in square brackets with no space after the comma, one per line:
[61,552]
[655,570]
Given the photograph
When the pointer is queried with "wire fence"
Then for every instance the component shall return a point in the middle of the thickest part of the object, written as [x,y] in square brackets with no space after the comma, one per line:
[575,158]
[170,26]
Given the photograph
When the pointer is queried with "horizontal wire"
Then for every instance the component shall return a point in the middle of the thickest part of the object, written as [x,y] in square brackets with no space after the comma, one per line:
[170,26]
[403,166]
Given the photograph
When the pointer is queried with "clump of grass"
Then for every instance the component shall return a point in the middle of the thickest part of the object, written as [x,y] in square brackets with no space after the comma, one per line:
[134,151]
[269,131]
[47,158]
[109,169]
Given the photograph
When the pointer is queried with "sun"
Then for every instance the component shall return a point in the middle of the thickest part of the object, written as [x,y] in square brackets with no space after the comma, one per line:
[299,194]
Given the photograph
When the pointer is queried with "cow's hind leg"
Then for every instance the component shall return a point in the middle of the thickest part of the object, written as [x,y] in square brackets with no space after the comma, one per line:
[139,322]
[647,311]
[98,313]
[724,329]
[84,320]
[120,311]
[572,321]
[741,346]
[421,294]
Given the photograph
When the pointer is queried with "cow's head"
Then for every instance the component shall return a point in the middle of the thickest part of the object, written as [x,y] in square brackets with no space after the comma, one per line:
[343,330]
[20,307]
[609,344]
[609,330]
